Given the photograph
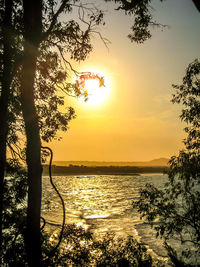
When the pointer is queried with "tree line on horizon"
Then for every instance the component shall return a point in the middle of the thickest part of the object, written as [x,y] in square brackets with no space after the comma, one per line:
[154,162]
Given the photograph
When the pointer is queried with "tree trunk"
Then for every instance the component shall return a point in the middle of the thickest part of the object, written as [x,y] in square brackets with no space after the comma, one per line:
[32,158]
[33,29]
[4,98]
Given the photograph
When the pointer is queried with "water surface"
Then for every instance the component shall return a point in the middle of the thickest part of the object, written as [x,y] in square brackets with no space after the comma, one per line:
[102,203]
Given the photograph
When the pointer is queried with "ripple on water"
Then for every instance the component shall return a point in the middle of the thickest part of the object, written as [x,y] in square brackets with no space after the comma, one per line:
[102,203]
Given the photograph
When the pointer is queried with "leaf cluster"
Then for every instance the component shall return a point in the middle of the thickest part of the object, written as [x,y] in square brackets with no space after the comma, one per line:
[143,18]
[14,214]
[174,211]
[188,94]
[80,248]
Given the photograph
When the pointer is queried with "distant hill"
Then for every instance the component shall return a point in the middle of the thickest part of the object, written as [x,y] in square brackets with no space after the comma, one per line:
[154,163]
[158,162]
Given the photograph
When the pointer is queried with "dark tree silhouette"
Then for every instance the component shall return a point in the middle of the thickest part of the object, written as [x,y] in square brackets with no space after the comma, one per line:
[9,59]
[6,77]
[32,37]
[142,12]
[176,207]
[38,57]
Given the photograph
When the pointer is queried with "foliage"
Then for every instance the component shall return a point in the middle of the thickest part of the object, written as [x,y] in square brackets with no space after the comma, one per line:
[142,12]
[188,95]
[14,214]
[80,248]
[143,18]
[176,207]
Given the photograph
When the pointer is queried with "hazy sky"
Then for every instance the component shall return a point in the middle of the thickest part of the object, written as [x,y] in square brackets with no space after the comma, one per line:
[137,121]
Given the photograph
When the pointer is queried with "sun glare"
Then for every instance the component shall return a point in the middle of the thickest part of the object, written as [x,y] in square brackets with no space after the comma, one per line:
[97,94]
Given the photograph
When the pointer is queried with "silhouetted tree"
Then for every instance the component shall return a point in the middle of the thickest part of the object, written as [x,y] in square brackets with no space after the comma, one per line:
[142,13]
[10,22]
[14,215]
[35,84]
[32,37]
[6,70]
[177,206]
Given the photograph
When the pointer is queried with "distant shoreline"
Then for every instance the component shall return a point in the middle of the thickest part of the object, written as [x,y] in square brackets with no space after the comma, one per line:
[103,170]
[159,162]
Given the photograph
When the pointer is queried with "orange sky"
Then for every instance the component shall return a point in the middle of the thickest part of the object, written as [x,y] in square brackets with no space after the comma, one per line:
[136,121]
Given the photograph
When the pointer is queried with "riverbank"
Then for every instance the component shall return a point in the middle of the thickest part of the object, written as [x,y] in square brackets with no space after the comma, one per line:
[102,170]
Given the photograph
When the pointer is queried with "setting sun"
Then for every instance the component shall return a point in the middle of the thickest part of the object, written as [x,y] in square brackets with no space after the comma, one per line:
[96,94]
[96,86]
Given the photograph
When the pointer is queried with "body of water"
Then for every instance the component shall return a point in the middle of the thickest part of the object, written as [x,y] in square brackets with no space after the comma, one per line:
[102,203]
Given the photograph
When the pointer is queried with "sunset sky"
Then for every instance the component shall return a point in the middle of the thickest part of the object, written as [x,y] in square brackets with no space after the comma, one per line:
[136,120]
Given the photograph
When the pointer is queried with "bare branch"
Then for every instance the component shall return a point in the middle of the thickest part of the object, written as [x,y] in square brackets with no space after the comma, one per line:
[54,19]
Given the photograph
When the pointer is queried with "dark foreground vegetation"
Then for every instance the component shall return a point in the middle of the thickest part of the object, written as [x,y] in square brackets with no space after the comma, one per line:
[102,170]
[177,206]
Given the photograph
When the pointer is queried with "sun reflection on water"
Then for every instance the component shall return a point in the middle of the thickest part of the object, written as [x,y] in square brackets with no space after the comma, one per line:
[100,204]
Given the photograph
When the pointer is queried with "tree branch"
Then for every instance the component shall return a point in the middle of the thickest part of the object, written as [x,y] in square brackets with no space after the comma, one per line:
[54,19]
[197,4]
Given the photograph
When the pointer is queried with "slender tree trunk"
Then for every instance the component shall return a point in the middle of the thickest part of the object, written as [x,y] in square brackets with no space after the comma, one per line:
[4,98]
[33,159]
[33,29]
